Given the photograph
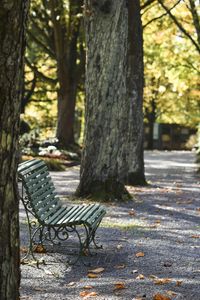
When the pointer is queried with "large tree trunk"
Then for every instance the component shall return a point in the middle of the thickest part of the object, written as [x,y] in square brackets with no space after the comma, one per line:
[66,39]
[135,84]
[12,25]
[104,160]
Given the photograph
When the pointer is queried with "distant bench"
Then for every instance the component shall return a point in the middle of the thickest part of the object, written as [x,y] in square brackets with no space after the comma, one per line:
[54,222]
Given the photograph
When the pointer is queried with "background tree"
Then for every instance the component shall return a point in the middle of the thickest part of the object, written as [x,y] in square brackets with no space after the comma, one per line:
[56,58]
[12,28]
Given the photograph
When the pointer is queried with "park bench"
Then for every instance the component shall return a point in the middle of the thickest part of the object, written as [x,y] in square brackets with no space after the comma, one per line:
[53,222]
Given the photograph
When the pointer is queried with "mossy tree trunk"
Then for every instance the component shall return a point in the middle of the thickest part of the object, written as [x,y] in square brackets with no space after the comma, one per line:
[12,25]
[112,127]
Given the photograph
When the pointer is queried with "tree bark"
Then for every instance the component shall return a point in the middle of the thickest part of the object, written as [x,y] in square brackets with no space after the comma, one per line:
[135,84]
[12,25]
[110,109]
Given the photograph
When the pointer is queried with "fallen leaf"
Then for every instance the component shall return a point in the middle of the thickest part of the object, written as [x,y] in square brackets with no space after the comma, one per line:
[119,246]
[167,264]
[157,221]
[88,287]
[195,236]
[91,275]
[132,212]
[97,270]
[23,250]
[39,249]
[160,297]
[120,267]
[139,254]
[119,286]
[153,276]
[162,280]
[179,282]
[153,226]
[48,272]
[140,276]
[71,283]
[198,209]
[86,294]
[134,271]
[171,293]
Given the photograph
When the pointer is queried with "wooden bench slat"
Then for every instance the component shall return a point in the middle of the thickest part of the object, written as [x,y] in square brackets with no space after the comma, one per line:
[79,216]
[90,212]
[38,185]
[71,212]
[60,214]
[30,181]
[37,165]
[94,216]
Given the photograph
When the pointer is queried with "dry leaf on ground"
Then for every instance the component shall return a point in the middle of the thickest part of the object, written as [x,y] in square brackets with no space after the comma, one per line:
[86,294]
[39,249]
[120,266]
[119,246]
[160,297]
[179,282]
[140,276]
[71,283]
[91,275]
[140,254]
[171,293]
[119,286]
[97,270]
[195,236]
[132,212]
[162,280]
[88,287]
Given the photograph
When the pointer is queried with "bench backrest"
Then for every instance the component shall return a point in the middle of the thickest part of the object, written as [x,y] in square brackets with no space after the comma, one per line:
[39,189]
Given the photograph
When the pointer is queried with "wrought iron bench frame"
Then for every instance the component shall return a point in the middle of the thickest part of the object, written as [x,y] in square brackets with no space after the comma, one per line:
[52,221]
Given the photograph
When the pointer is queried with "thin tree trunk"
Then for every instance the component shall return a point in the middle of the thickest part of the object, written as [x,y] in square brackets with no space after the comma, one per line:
[12,26]
[66,38]
[135,83]
[104,160]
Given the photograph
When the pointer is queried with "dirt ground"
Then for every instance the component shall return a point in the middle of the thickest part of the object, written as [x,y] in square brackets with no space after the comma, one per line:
[151,245]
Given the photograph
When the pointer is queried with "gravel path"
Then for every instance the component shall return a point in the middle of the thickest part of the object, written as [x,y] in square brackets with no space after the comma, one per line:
[151,245]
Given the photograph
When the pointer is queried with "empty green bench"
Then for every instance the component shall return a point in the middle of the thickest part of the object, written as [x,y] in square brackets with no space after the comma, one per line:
[54,222]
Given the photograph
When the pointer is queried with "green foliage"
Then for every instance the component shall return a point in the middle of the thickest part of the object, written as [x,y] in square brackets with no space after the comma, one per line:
[171,67]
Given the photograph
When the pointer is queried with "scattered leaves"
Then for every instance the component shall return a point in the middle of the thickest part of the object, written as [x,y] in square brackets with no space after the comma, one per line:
[96,271]
[139,254]
[162,280]
[160,297]
[119,286]
[86,294]
[195,236]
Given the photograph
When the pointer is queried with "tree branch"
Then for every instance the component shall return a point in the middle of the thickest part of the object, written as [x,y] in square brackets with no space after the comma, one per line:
[40,74]
[159,17]
[178,24]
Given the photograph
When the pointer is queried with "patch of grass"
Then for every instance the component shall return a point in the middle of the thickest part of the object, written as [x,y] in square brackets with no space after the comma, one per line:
[124,226]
